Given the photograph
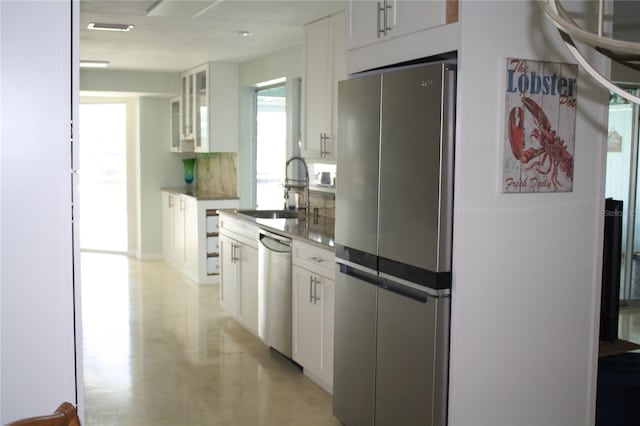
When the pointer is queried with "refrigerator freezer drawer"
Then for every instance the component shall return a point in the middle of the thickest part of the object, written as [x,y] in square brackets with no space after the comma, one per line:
[411,370]
[354,360]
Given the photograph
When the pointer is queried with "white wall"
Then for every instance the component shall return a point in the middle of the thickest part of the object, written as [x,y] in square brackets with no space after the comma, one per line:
[526,268]
[121,81]
[284,63]
[36,278]
[158,167]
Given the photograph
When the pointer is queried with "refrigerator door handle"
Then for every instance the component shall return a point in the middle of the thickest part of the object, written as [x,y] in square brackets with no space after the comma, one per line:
[405,291]
[427,291]
[361,275]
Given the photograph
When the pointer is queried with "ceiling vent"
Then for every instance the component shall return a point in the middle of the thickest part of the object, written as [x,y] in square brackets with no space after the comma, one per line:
[110,27]
[180,9]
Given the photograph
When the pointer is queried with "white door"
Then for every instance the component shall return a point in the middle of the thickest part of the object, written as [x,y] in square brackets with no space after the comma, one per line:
[40,286]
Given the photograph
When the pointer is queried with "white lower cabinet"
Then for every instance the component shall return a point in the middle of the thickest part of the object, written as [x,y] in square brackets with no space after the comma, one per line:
[313,289]
[190,235]
[239,271]
[248,287]
[228,274]
[312,314]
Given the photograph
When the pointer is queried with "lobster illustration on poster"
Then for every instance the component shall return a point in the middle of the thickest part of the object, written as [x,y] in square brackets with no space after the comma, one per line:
[540,124]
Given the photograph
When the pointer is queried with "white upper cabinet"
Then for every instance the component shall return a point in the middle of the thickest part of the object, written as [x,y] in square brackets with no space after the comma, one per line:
[371,22]
[178,143]
[413,30]
[364,23]
[210,107]
[325,63]
[176,130]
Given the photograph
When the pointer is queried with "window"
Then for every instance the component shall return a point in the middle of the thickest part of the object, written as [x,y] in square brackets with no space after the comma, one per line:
[271,146]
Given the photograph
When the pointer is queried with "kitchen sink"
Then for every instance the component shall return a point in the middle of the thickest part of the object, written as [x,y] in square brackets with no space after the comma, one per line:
[270,214]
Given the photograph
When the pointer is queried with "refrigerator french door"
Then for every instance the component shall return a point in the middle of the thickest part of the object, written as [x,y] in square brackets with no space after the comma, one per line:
[393,246]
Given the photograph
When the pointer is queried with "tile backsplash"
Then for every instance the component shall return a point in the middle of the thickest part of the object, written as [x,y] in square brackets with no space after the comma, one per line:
[325,202]
[218,172]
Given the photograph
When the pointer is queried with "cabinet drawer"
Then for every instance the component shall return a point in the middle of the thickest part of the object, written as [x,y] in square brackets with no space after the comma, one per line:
[212,224]
[315,259]
[213,245]
[213,265]
[239,230]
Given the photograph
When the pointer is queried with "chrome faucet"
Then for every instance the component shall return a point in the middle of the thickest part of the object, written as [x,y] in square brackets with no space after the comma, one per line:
[297,183]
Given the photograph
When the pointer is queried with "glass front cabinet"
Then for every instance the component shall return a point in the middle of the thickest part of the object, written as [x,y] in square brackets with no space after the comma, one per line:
[210,107]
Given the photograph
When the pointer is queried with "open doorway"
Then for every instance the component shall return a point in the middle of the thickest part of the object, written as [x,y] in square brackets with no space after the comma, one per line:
[103,181]
[622,184]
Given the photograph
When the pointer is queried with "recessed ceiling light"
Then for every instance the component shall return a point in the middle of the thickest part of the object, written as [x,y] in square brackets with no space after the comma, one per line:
[243,33]
[94,64]
[110,27]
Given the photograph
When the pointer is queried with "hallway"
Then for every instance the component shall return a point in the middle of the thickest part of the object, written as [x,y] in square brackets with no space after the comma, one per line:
[160,350]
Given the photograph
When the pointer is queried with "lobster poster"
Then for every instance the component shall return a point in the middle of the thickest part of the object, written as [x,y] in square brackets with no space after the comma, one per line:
[540,125]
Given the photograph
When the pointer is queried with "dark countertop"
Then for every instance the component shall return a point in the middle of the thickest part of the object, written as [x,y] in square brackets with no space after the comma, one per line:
[198,194]
[317,231]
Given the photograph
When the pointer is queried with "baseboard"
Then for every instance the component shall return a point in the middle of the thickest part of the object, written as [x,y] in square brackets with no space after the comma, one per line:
[318,381]
[122,253]
[148,256]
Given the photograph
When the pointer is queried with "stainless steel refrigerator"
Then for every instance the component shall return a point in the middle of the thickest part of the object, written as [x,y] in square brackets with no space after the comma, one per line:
[393,246]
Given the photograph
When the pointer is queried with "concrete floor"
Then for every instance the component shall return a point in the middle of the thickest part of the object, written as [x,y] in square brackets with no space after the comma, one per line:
[629,324]
[160,350]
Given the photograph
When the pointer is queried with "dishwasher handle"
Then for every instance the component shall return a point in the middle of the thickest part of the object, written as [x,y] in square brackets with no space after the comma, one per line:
[275,242]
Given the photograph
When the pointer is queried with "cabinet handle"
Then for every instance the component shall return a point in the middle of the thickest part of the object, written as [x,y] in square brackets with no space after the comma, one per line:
[315,290]
[234,258]
[383,8]
[323,145]
[380,10]
[387,7]
[170,201]
[310,289]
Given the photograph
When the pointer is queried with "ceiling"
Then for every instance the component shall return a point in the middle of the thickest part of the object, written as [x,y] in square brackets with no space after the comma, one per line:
[180,34]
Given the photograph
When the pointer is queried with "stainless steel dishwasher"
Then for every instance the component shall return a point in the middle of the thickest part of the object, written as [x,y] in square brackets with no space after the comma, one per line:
[274,291]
